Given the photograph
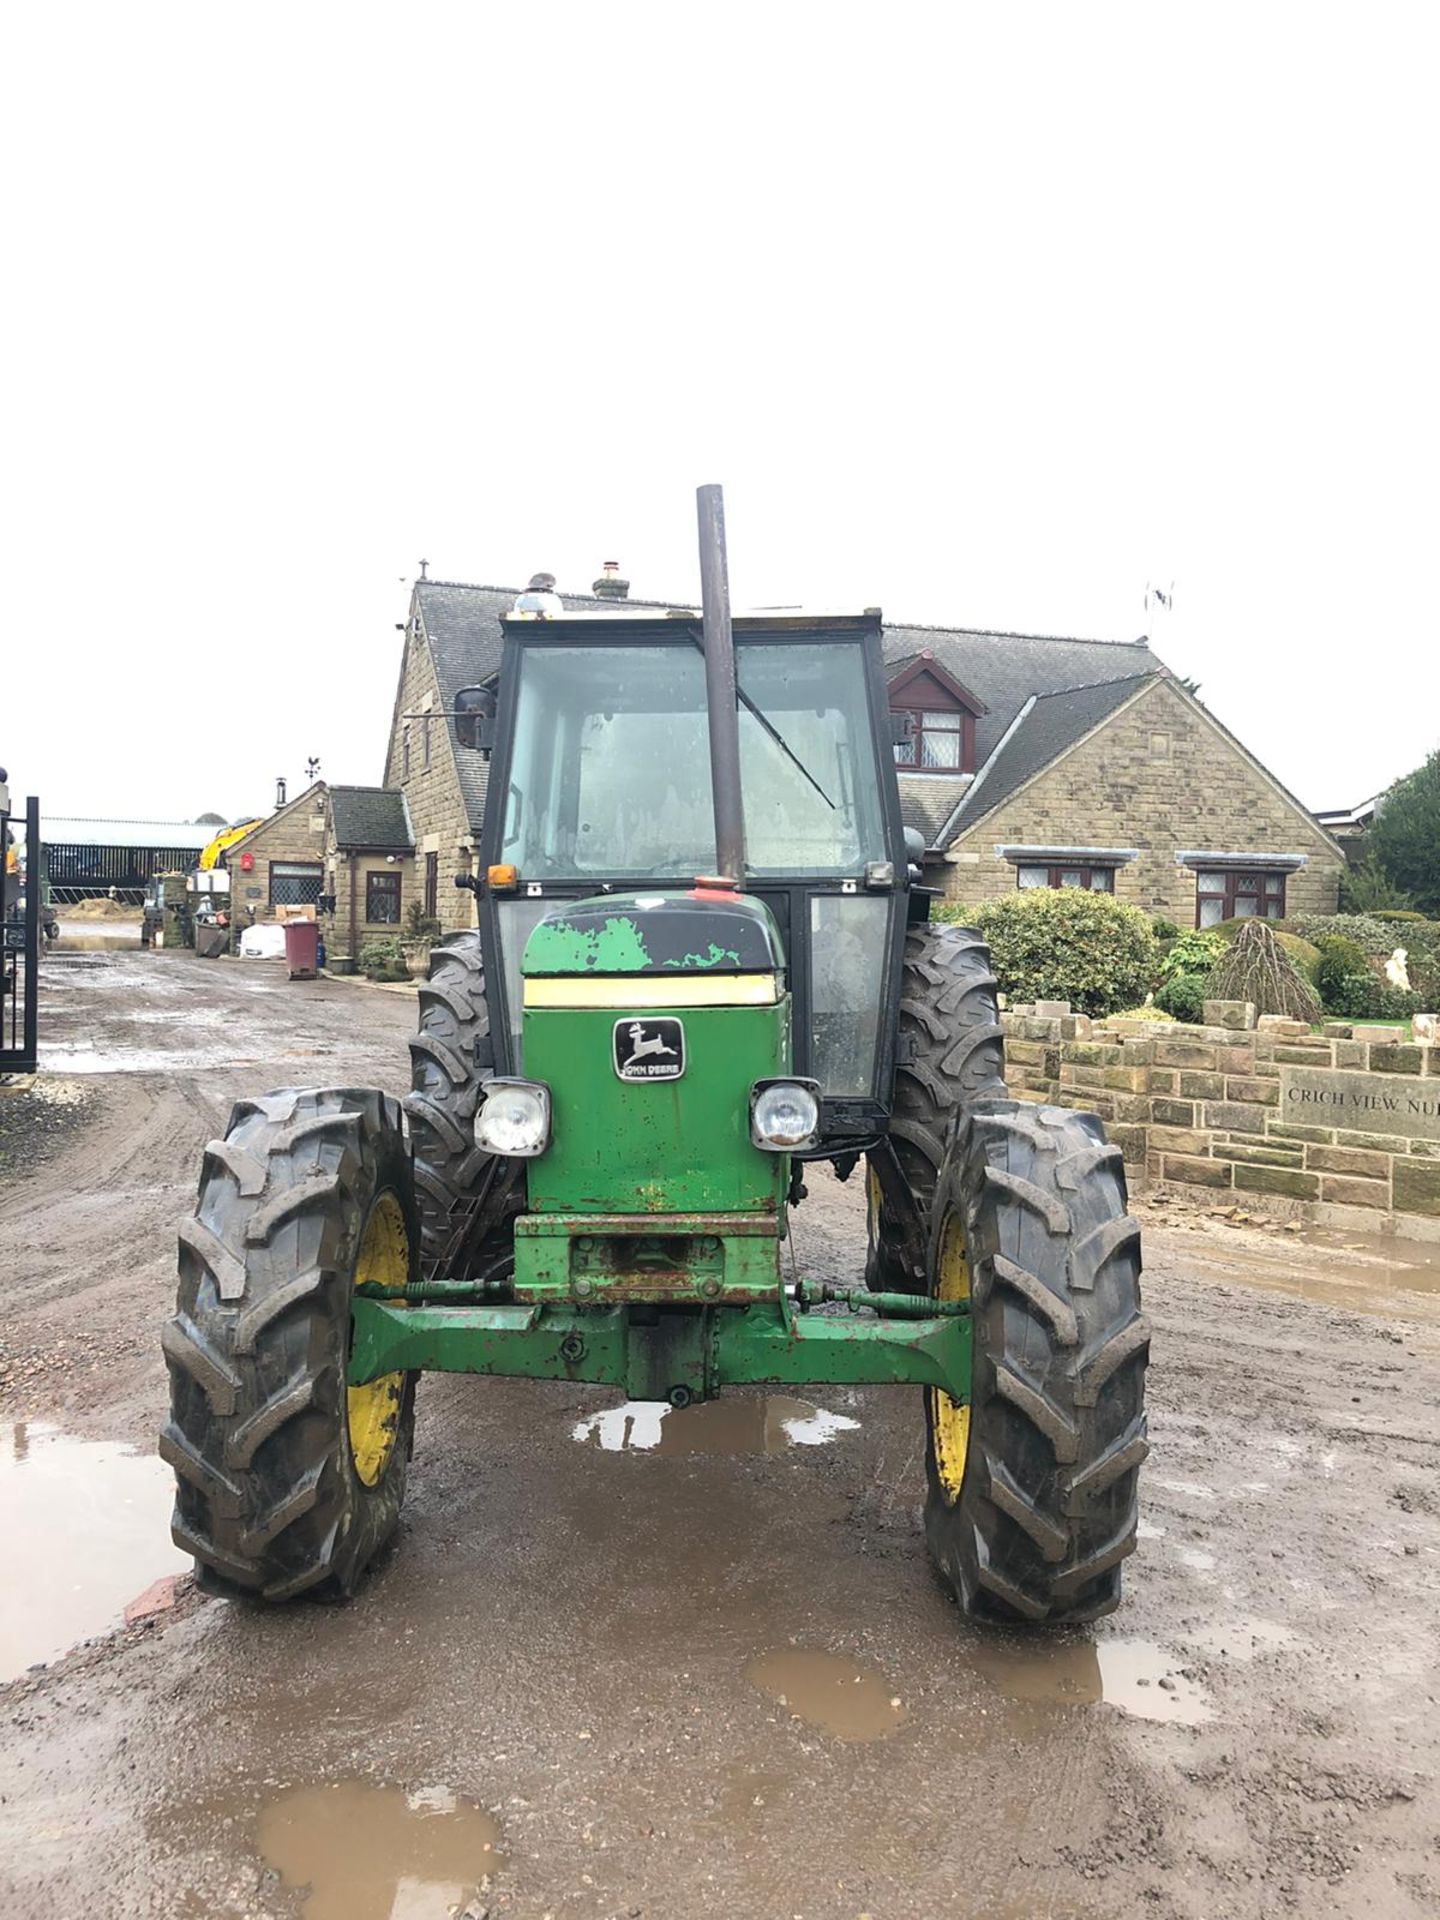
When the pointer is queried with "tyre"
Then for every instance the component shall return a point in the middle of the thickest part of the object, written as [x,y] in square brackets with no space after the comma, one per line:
[287,1480]
[951,1054]
[468,1199]
[1031,1503]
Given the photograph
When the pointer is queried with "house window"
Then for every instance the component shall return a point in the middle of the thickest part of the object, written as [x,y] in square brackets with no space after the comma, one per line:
[425,744]
[1236,895]
[382,899]
[1094,879]
[432,884]
[294,883]
[934,741]
[405,753]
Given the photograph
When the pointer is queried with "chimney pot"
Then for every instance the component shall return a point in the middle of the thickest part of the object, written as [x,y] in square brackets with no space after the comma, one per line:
[610,586]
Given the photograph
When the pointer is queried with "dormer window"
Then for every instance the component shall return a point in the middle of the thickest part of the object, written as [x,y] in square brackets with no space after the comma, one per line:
[937,719]
[934,740]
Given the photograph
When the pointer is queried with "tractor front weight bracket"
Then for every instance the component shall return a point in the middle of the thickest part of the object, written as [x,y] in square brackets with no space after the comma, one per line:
[661,1352]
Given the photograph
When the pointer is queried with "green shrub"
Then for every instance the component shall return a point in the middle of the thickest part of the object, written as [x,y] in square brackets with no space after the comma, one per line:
[1361,996]
[1400,917]
[1184,997]
[952,913]
[1340,947]
[383,959]
[1195,952]
[1153,1012]
[1371,934]
[1258,968]
[1165,929]
[1393,1003]
[1367,888]
[1069,944]
[420,927]
[1304,953]
[1342,961]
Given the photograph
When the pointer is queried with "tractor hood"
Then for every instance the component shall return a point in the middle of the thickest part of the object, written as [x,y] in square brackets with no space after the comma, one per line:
[705,930]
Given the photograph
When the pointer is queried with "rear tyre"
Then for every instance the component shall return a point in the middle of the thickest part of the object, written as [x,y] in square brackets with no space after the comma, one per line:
[1031,1503]
[951,1054]
[451,1058]
[287,1480]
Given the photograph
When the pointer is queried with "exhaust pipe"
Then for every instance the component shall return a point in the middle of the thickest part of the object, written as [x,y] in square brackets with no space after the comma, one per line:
[720,691]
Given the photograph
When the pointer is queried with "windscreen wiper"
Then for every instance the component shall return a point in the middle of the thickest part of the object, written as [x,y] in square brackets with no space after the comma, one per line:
[774,733]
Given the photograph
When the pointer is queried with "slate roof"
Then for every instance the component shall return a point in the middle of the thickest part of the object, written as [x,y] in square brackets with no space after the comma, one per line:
[1003,669]
[374,819]
[927,801]
[1045,727]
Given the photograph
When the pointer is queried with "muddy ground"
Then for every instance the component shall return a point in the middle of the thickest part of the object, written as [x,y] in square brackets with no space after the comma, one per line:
[710,1671]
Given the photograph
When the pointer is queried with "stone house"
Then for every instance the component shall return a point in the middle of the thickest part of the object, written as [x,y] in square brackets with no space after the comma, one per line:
[1026,761]
[280,862]
[346,851]
[370,869]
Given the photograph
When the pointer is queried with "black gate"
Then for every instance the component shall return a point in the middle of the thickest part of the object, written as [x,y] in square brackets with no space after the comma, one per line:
[19,959]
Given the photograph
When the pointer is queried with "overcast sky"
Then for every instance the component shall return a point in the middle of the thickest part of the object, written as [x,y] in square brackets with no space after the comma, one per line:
[987,317]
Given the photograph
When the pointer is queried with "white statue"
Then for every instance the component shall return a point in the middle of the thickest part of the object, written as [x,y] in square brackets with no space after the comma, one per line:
[1395,970]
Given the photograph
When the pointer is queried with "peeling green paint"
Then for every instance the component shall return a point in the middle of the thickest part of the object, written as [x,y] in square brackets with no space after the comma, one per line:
[711,959]
[557,947]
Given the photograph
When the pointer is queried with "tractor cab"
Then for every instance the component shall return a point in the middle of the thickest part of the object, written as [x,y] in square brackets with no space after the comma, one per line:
[601,753]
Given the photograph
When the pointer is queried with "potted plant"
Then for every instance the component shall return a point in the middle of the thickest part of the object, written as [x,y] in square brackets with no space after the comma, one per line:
[421,933]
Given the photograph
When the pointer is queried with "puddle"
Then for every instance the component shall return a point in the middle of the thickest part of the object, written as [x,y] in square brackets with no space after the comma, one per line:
[379,1853]
[76,1056]
[86,1526]
[829,1691]
[735,1423]
[1362,1272]
[1137,1676]
[746,1792]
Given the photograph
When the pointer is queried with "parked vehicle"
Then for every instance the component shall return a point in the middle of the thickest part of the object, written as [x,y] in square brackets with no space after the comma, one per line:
[703,961]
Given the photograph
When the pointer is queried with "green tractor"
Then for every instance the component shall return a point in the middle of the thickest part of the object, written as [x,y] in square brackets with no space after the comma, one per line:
[703,960]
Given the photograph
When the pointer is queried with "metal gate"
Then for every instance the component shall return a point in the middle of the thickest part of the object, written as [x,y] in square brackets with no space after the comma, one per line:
[20,955]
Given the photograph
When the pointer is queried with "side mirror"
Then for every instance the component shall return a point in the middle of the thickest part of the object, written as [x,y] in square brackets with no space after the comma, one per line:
[475,718]
[914,846]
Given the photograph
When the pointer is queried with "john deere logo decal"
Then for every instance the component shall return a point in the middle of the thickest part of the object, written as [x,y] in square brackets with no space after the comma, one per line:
[649,1049]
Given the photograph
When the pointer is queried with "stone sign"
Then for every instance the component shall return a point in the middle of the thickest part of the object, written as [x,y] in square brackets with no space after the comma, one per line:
[1361,1102]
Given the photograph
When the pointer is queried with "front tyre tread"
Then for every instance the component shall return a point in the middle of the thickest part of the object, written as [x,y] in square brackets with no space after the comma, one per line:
[1046,1511]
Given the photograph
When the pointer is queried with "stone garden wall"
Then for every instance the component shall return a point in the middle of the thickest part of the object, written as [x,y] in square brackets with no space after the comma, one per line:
[1346,1119]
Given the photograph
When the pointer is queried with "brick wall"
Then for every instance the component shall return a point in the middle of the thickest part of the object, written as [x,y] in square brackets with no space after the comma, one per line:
[1202,1105]
[295,833]
[1159,777]
[437,807]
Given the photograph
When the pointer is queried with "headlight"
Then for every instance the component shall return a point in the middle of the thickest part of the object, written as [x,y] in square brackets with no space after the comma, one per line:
[514,1119]
[784,1114]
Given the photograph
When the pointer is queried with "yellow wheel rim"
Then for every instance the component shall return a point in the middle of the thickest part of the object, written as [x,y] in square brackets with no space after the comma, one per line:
[374,1410]
[872,1205]
[949,1420]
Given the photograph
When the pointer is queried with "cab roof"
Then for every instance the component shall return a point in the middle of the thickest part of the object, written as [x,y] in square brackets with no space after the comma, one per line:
[653,624]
